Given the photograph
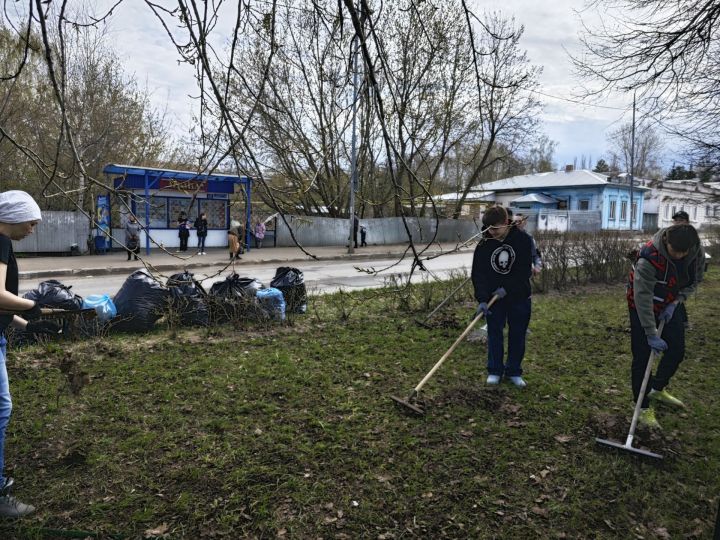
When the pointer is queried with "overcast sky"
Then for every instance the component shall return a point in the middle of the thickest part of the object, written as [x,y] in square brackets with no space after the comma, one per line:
[551,28]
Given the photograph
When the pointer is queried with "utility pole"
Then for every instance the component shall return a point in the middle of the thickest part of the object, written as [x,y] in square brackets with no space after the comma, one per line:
[632,163]
[353,158]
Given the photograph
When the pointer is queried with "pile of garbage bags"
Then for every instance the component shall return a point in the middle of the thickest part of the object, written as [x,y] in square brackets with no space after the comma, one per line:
[143,300]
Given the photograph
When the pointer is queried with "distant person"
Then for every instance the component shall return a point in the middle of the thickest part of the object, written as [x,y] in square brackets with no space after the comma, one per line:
[356,226]
[132,237]
[234,239]
[183,231]
[19,214]
[520,221]
[363,236]
[259,233]
[502,267]
[658,285]
[201,226]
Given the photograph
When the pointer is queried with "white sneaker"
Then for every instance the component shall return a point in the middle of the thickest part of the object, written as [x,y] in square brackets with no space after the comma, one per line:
[493,379]
[518,381]
[203,253]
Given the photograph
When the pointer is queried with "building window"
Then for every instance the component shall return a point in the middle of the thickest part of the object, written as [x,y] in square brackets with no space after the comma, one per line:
[674,210]
[623,210]
[215,212]
[613,205]
[694,213]
[583,204]
[158,211]
[667,211]
[634,212]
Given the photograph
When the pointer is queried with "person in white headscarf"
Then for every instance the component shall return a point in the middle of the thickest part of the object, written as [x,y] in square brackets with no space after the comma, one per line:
[19,214]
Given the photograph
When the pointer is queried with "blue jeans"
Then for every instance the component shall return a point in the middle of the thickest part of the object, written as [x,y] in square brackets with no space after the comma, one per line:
[516,314]
[5,405]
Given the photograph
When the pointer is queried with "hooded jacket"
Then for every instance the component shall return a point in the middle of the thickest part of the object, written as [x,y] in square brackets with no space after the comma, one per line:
[503,263]
[656,280]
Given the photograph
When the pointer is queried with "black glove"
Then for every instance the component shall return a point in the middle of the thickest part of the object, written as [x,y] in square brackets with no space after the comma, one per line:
[32,313]
[42,327]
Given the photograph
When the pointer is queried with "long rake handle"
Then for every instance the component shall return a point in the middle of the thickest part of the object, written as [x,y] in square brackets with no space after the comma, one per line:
[643,387]
[451,349]
[446,300]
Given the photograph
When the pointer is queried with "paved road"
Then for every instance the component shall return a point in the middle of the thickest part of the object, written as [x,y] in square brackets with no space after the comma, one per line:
[323,276]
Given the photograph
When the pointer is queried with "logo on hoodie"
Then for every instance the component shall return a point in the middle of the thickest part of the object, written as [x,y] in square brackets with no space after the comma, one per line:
[502,259]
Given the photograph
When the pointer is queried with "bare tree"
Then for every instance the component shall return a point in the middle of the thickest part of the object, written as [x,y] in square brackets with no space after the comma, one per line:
[669,51]
[648,150]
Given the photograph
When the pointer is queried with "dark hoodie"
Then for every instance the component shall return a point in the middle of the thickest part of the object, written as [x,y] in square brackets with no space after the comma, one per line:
[506,263]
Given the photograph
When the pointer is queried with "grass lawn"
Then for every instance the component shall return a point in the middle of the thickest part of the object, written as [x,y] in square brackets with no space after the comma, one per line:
[289,432]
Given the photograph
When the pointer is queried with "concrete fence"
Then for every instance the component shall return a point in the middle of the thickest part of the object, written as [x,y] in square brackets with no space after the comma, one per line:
[321,231]
[56,233]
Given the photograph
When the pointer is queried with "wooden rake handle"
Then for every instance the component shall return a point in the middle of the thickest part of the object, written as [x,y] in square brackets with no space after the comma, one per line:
[452,347]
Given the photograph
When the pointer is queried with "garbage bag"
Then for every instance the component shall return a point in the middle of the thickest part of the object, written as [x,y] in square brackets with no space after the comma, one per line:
[272,300]
[292,284]
[188,298]
[140,302]
[235,286]
[53,294]
[103,305]
[234,298]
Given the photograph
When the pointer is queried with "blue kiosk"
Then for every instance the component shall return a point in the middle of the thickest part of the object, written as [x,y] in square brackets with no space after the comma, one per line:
[157,196]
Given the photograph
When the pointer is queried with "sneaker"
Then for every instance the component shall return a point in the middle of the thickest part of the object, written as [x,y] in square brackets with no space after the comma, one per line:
[10,507]
[493,379]
[203,253]
[663,396]
[647,418]
[518,381]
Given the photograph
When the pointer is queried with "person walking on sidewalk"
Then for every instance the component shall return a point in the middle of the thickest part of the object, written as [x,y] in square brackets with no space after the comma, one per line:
[183,231]
[663,277]
[363,236]
[234,240]
[502,267]
[19,214]
[201,226]
[132,237]
[259,233]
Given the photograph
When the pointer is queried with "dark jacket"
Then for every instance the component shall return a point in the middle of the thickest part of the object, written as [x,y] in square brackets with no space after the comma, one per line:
[506,264]
[201,226]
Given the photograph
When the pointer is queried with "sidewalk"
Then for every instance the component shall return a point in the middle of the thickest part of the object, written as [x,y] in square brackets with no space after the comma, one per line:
[117,263]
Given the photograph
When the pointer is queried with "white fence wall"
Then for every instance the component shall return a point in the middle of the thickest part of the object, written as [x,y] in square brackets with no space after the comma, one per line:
[321,231]
[56,233]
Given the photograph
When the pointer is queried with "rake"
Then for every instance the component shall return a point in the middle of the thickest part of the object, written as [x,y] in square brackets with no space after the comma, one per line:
[411,402]
[628,447]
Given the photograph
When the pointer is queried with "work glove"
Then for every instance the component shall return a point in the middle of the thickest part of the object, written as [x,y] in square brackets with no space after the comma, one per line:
[482,309]
[667,313]
[657,344]
[42,327]
[32,313]
[500,292]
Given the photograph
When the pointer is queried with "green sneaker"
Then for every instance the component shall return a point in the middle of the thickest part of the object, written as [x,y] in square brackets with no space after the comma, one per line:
[663,396]
[647,419]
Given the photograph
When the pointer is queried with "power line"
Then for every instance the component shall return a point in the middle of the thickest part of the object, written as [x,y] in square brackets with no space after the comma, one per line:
[577,102]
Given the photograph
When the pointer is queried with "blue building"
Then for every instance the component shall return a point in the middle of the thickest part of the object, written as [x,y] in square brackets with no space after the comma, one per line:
[591,200]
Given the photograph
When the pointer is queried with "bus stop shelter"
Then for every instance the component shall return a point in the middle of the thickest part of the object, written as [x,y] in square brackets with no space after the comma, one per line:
[157,196]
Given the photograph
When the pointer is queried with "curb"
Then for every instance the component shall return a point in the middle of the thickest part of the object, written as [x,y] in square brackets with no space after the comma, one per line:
[34,274]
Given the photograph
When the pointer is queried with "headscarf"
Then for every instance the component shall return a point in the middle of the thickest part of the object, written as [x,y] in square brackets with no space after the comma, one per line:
[18,207]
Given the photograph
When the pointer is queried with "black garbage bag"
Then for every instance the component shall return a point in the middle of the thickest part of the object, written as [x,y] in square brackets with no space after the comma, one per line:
[140,302]
[235,286]
[292,284]
[235,298]
[188,298]
[53,294]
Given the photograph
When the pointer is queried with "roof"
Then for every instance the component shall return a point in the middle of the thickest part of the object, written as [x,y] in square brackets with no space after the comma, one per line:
[535,197]
[554,179]
[168,174]
[471,196]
